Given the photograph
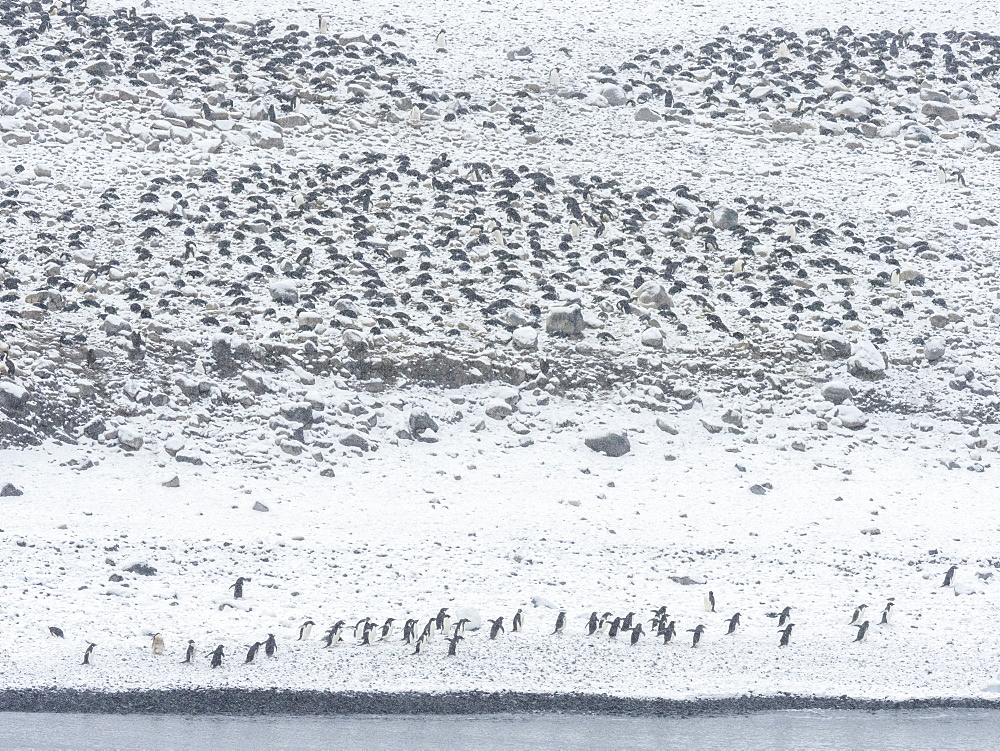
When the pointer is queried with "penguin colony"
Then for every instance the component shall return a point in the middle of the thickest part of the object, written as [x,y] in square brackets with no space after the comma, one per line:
[369,632]
[349,260]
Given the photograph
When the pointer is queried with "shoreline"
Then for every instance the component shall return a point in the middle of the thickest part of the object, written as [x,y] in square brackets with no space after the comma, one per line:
[284,702]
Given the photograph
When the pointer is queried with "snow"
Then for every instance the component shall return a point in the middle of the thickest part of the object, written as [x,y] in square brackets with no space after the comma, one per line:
[373,472]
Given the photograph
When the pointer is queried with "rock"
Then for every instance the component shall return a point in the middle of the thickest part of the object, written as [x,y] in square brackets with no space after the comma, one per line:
[867,363]
[498,409]
[758,489]
[472,614]
[297,412]
[836,392]
[543,602]
[173,482]
[666,427]
[95,428]
[567,320]
[525,337]
[733,417]
[129,439]
[13,398]
[853,109]
[352,37]
[258,506]
[687,581]
[355,341]
[724,218]
[9,490]
[354,439]
[711,425]
[653,294]
[292,120]
[189,457]
[24,99]
[173,445]
[938,109]
[114,325]
[614,94]
[852,418]
[833,346]
[309,319]
[646,115]
[222,353]
[609,442]
[420,420]
[652,337]
[102,68]
[788,125]
[284,292]
[934,349]
[898,210]
[521,53]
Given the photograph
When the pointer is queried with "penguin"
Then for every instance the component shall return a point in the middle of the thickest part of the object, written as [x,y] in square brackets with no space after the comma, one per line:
[217,657]
[574,229]
[252,653]
[189,654]
[366,637]
[605,620]
[697,631]
[419,646]
[887,614]
[442,622]
[322,25]
[88,653]
[733,623]
[670,632]
[56,631]
[305,629]
[592,624]
[386,631]
[360,626]
[497,628]
[428,631]
[414,114]
[627,623]
[560,622]
[784,615]
[238,588]
[862,631]
[554,77]
[441,41]
[859,613]
[942,174]
[453,645]
[710,602]
[958,177]
[157,644]
[949,577]
[668,99]
[332,637]
[270,646]
[616,626]
[786,633]
[460,626]
[410,630]
[517,625]
[636,633]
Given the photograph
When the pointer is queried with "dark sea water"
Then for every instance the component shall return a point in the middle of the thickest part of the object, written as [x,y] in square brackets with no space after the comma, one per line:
[907,730]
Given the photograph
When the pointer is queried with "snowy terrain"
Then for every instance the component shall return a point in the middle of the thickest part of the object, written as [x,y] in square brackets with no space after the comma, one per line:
[352,348]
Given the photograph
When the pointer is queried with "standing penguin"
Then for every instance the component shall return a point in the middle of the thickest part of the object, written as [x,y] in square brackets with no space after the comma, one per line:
[560,622]
[733,623]
[786,634]
[862,632]
[332,636]
[441,41]
[497,628]
[88,653]
[419,646]
[627,623]
[217,657]
[305,629]
[949,577]
[157,644]
[270,646]
[410,630]
[322,26]
[189,654]
[784,615]
[554,77]
[360,626]
[366,637]
[710,602]
[616,626]
[592,624]
[605,621]
[443,621]
[238,588]
[636,633]
[697,631]
[386,631]
[453,645]
[670,632]
[887,614]
[859,613]
[252,653]
[460,626]
[428,630]
[517,625]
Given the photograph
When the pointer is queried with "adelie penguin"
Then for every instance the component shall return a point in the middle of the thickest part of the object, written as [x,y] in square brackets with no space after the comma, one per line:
[859,613]
[453,645]
[636,633]
[517,624]
[441,40]
[560,622]
[670,632]
[616,626]
[949,577]
[87,655]
[386,630]
[443,621]
[270,646]
[784,615]
[697,631]
[710,602]
[887,614]
[366,637]
[627,623]
[238,588]
[862,631]
[786,634]
[157,645]
[217,657]
[189,654]
[592,624]
[733,623]
[360,626]
[410,631]
[419,646]
[252,653]
[332,637]
[555,77]
[305,629]
[497,628]
[56,631]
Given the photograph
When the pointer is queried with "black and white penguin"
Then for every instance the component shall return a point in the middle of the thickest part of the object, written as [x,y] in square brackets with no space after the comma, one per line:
[460,626]
[305,629]
[270,646]
[670,632]
[560,622]
[710,602]
[419,646]
[887,614]
[784,615]
[189,654]
[87,655]
[428,631]
[859,613]
[366,637]
[592,624]
[252,653]
[56,631]
[360,626]
[616,626]
[238,588]
[786,634]
[217,657]
[453,645]
[441,41]
[157,645]
[949,576]
[942,174]
[497,628]
[387,628]
[733,623]
[555,77]
[410,630]
[332,637]
[517,624]
[862,631]
[636,633]
[443,621]
[627,623]
[697,631]
[322,25]
[604,623]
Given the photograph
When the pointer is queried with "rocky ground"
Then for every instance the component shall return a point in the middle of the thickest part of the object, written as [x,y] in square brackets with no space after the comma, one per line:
[306,292]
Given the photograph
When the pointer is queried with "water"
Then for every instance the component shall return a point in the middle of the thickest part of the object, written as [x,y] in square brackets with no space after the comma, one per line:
[811,729]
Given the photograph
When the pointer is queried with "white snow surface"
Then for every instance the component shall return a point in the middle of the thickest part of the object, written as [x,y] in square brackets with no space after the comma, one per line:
[496,512]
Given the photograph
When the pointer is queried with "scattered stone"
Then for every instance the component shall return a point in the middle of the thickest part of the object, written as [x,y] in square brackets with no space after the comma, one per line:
[301,412]
[13,398]
[568,320]
[687,581]
[258,506]
[9,490]
[354,439]
[525,337]
[612,443]
[95,428]
[866,362]
[419,421]
[173,482]
[758,489]
[851,418]
[498,409]
[652,337]
[543,602]
[934,349]
[284,292]
[724,218]
[129,439]
[646,115]
[666,427]
[836,392]
[653,294]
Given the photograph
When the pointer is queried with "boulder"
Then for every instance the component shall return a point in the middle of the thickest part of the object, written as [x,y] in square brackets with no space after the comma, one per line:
[115,325]
[934,349]
[284,292]
[297,412]
[652,337]
[567,320]
[646,115]
[13,398]
[354,439]
[498,409]
[724,218]
[613,94]
[653,294]
[836,392]
[833,346]
[609,442]
[95,428]
[853,109]
[866,362]
[9,490]
[938,109]
[666,427]
[525,337]
[852,417]
[172,482]
[129,439]
[420,420]
[258,506]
